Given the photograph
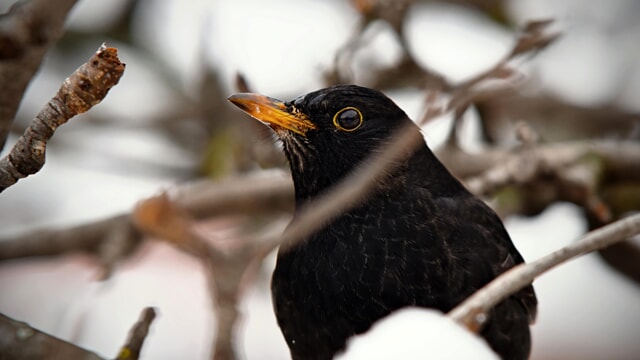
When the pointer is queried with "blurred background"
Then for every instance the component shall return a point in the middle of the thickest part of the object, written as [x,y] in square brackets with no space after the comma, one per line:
[167,122]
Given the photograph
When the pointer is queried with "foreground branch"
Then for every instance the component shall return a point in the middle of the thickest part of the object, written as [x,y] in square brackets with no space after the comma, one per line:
[18,340]
[83,89]
[473,311]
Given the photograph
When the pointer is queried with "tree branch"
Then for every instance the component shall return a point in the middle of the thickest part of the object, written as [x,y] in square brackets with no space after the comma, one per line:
[472,312]
[495,167]
[18,340]
[26,33]
[109,240]
[83,89]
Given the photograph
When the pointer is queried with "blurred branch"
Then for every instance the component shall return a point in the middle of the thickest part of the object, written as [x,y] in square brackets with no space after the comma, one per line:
[536,176]
[137,335]
[258,192]
[109,239]
[226,268]
[114,238]
[406,73]
[18,340]
[26,33]
[534,37]
[472,312]
[493,165]
[554,118]
[83,89]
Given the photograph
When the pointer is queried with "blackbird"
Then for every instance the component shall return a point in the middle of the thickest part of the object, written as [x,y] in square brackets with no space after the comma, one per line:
[418,239]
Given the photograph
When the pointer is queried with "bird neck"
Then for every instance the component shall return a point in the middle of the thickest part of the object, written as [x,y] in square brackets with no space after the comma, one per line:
[420,168]
[315,182]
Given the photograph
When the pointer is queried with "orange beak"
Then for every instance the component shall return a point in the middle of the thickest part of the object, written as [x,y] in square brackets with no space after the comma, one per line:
[272,112]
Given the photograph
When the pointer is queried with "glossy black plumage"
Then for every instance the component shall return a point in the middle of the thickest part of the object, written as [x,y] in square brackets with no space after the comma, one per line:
[420,239]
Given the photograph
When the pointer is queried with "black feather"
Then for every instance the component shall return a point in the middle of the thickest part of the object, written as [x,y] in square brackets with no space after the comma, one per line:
[419,239]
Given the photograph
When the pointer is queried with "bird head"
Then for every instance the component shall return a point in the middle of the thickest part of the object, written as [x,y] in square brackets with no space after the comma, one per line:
[327,133]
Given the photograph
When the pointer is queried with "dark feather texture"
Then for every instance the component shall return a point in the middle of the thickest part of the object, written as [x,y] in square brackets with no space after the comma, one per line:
[419,239]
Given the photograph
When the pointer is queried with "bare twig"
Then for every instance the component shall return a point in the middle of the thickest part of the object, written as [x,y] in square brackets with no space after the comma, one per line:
[26,33]
[137,335]
[524,167]
[83,89]
[18,340]
[472,312]
[534,37]
[621,159]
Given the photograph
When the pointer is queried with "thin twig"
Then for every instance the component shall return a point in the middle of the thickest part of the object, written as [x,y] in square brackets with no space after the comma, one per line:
[621,158]
[534,37]
[83,89]
[472,312]
[137,335]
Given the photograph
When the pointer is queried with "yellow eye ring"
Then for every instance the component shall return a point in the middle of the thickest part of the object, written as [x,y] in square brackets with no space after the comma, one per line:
[348,119]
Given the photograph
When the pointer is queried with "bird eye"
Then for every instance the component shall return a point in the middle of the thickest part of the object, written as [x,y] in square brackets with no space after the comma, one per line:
[348,119]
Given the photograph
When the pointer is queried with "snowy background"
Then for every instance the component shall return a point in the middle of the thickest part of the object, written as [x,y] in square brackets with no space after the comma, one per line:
[586,310]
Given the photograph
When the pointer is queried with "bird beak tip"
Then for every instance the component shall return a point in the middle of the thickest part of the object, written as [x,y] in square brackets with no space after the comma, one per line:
[242,99]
